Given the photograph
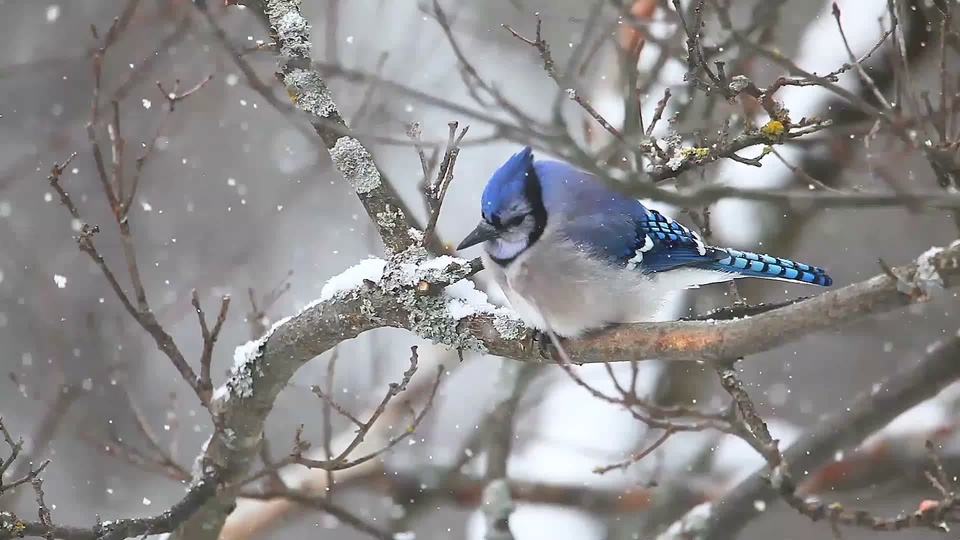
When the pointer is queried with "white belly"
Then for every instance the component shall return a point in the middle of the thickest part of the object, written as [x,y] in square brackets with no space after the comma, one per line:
[562,290]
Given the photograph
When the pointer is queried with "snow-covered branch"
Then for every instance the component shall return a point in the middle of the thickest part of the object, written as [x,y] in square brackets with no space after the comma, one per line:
[391,293]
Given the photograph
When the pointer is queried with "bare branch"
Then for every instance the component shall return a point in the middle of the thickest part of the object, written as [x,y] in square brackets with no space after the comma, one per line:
[251,519]
[397,301]
[869,412]
[200,492]
[721,340]
[324,504]
[43,511]
[209,341]
[341,461]
[498,505]
[862,73]
[436,192]
[15,448]
[309,93]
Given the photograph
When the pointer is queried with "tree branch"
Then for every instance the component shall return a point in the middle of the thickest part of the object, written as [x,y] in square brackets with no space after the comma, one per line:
[200,492]
[497,502]
[390,295]
[869,412]
[309,93]
[716,341]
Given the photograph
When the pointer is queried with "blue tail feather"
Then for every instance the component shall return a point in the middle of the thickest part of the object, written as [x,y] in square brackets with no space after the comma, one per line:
[764,266]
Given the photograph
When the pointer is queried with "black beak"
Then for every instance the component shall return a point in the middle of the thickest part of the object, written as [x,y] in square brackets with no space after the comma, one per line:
[482,233]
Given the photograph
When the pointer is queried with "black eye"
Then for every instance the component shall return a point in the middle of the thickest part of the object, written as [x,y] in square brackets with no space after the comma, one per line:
[514,221]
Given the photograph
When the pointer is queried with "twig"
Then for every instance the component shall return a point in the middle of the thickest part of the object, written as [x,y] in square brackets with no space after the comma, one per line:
[579,100]
[256,516]
[471,77]
[938,478]
[328,420]
[869,412]
[864,77]
[114,189]
[550,67]
[739,310]
[141,311]
[436,192]
[753,428]
[64,396]
[15,448]
[637,456]
[163,460]
[414,133]
[43,511]
[658,112]
[209,341]
[257,318]
[340,410]
[341,461]
[12,527]
[654,416]
[514,380]
[324,504]
[176,96]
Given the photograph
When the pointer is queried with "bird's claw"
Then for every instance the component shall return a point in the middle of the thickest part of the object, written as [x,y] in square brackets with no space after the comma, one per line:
[542,342]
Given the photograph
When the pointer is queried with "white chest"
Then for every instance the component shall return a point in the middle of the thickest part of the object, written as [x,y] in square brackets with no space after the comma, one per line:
[562,290]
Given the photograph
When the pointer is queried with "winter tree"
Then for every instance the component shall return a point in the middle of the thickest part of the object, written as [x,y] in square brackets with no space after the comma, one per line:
[231,305]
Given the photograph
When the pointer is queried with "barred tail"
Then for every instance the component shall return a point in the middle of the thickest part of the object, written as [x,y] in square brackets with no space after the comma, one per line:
[757,265]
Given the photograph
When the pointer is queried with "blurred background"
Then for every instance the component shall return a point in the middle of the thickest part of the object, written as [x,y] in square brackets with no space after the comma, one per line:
[237,198]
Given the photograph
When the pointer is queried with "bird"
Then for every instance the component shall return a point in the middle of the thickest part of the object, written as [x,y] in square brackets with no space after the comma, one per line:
[573,255]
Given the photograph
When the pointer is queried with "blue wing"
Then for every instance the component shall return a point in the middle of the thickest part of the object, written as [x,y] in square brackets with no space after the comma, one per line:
[663,244]
[624,231]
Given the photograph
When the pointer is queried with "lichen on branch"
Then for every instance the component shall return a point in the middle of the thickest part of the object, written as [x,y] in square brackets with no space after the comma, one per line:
[310,94]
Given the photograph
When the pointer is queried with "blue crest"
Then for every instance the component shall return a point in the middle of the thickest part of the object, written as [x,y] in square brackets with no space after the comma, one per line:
[507,184]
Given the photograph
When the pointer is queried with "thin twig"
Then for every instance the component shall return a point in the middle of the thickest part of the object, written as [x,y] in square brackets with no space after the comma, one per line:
[436,192]
[341,461]
[209,341]
[868,412]
[864,76]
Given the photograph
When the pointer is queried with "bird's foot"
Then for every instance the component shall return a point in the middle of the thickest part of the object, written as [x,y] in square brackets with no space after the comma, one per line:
[542,342]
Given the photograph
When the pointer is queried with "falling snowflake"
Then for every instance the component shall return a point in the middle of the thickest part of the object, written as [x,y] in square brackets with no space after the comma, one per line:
[61,281]
[53,13]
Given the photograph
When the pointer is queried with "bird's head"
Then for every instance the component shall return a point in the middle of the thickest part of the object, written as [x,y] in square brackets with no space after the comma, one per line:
[512,212]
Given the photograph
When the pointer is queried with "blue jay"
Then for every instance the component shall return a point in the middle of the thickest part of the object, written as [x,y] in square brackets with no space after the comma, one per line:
[573,255]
